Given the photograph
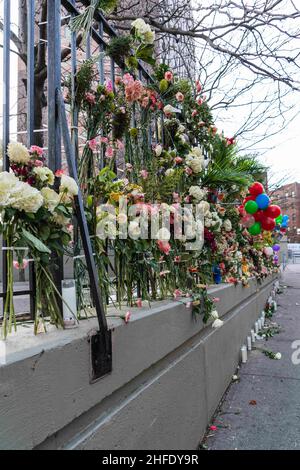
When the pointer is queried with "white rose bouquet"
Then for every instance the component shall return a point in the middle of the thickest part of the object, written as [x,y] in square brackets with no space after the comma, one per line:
[34,216]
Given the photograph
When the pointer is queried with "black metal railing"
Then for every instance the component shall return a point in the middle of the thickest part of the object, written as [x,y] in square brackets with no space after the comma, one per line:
[58,130]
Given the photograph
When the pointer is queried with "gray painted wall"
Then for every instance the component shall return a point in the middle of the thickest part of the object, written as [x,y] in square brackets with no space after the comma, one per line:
[169,374]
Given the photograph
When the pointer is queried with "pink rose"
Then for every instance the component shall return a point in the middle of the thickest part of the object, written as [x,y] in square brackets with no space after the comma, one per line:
[194,113]
[164,246]
[38,163]
[169,76]
[178,160]
[179,96]
[92,144]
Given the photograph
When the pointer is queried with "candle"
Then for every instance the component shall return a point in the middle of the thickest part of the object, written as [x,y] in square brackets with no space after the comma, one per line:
[249,344]
[253,336]
[262,321]
[259,323]
[275,305]
[244,354]
[69,303]
[256,327]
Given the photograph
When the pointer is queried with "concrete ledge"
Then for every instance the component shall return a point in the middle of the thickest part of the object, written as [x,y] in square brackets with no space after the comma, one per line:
[169,373]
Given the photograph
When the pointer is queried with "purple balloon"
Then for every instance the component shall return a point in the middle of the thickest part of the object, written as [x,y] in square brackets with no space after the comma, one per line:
[276,259]
[276,248]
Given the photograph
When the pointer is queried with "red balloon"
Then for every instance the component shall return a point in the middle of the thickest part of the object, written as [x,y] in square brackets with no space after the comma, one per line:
[259,216]
[273,212]
[248,198]
[256,189]
[268,224]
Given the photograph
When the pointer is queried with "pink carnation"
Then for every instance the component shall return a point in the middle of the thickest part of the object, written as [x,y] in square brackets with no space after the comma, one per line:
[36,149]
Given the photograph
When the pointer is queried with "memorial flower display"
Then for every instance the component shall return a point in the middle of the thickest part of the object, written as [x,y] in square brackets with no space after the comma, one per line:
[154,148]
[171,206]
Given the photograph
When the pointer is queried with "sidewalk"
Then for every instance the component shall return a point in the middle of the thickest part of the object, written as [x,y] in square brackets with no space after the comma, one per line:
[272,421]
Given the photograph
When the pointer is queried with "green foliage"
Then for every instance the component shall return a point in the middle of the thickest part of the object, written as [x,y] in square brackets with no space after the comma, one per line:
[119,48]
[84,20]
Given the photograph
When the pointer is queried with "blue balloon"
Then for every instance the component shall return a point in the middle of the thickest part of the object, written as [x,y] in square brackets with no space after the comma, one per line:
[283,225]
[285,218]
[263,201]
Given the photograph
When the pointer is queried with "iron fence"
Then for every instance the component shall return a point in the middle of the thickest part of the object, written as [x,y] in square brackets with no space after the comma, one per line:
[62,128]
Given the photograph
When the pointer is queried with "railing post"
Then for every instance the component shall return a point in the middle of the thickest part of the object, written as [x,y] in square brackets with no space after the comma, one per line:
[30,120]
[54,84]
[6,110]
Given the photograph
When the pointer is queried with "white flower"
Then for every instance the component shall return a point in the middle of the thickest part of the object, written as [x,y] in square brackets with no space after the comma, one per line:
[227,225]
[106,226]
[168,109]
[198,153]
[18,153]
[278,356]
[158,150]
[197,193]
[134,229]
[194,162]
[204,208]
[7,182]
[217,323]
[44,174]
[149,36]
[169,171]
[25,197]
[214,315]
[163,234]
[51,198]
[139,24]
[68,185]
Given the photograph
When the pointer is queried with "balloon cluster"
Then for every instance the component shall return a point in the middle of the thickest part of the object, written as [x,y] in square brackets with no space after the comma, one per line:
[282,223]
[272,251]
[258,214]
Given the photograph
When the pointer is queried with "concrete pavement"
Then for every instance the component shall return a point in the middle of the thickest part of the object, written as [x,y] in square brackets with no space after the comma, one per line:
[262,410]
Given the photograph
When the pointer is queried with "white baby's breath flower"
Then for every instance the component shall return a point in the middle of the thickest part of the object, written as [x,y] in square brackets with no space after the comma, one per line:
[278,356]
[18,153]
